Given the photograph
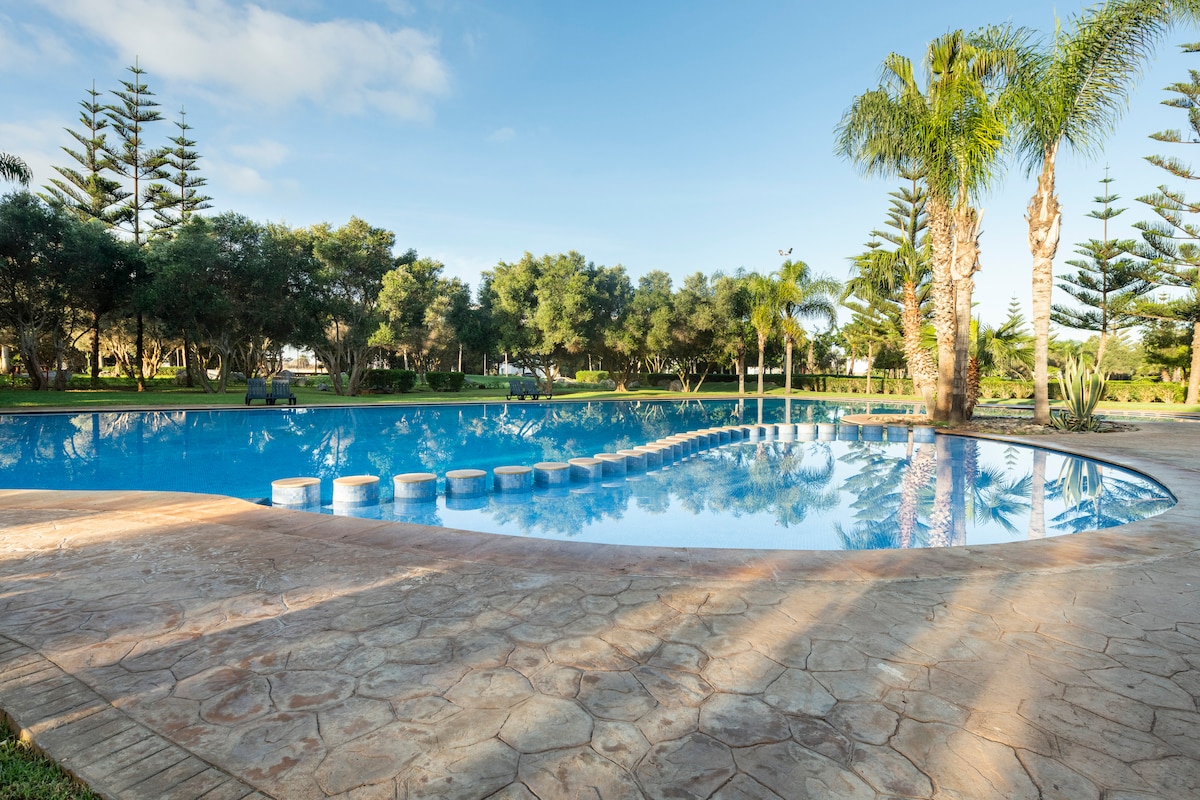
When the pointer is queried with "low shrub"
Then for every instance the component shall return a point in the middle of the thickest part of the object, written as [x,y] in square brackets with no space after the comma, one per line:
[591,375]
[445,381]
[389,380]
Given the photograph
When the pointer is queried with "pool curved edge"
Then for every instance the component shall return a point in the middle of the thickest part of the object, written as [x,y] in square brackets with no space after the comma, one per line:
[1162,452]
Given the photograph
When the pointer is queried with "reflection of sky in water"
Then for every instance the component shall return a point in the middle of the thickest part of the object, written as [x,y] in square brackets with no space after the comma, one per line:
[816,495]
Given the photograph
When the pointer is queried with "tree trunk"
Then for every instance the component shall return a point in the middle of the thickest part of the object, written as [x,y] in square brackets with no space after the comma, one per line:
[1044,215]
[1193,390]
[140,353]
[95,355]
[1100,349]
[973,386]
[944,318]
[762,348]
[741,370]
[870,358]
[787,365]
[967,222]
[189,364]
[920,362]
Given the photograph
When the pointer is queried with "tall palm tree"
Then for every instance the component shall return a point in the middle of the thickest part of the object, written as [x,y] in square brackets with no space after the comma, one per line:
[12,168]
[1072,91]
[802,295]
[952,132]
[764,315]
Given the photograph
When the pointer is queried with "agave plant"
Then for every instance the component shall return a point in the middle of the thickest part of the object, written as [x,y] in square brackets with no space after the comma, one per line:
[1082,388]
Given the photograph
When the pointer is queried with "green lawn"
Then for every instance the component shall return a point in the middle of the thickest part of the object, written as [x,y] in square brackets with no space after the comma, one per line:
[27,775]
[162,393]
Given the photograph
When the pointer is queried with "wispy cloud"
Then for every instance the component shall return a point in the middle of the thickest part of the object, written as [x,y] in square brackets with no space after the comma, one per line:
[502,135]
[29,47]
[269,58]
[265,152]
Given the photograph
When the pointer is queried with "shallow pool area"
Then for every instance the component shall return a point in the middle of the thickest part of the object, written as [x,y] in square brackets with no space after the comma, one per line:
[800,495]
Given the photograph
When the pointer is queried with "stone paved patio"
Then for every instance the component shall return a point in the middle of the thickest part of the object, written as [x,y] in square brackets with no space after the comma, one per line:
[182,646]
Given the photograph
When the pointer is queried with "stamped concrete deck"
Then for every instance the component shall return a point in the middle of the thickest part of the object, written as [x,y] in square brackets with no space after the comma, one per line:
[176,646]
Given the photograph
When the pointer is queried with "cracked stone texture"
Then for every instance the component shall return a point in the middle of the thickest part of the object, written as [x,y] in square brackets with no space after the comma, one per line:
[314,657]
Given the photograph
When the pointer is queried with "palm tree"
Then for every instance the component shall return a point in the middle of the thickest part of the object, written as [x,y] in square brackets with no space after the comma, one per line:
[802,295]
[951,132]
[901,275]
[14,169]
[764,315]
[1072,92]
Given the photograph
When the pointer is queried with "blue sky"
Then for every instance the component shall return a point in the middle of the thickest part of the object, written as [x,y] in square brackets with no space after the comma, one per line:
[669,135]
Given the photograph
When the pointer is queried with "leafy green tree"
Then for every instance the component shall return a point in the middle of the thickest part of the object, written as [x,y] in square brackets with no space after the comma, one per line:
[416,304]
[343,298]
[191,291]
[734,334]
[101,277]
[35,286]
[1071,92]
[644,329]
[86,189]
[694,326]
[179,198]
[1107,282]
[544,310]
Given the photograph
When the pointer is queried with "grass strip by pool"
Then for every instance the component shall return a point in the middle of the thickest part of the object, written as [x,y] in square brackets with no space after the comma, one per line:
[25,774]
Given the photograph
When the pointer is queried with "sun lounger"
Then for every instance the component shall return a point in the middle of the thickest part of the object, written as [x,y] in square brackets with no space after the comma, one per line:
[256,389]
[281,390]
[516,388]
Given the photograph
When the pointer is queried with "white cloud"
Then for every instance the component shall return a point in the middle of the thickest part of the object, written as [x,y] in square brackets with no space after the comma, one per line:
[265,152]
[502,135]
[29,47]
[269,58]
[32,143]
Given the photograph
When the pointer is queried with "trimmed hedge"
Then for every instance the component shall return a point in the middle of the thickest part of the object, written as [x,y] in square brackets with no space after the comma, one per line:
[445,381]
[591,375]
[1116,391]
[389,380]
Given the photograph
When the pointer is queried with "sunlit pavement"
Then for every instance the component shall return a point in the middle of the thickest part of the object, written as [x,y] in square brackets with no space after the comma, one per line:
[183,646]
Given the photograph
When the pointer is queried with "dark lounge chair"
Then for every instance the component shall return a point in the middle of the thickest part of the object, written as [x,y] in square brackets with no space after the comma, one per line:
[281,390]
[256,389]
[516,388]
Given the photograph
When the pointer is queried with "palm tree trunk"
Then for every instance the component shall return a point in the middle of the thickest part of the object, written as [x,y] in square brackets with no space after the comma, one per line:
[920,362]
[762,347]
[944,319]
[965,263]
[1044,215]
[787,365]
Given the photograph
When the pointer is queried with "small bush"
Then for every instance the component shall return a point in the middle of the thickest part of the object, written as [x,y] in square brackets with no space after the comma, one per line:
[445,381]
[591,375]
[389,380]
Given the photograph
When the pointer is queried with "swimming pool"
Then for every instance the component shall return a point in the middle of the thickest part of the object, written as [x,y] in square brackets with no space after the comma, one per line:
[785,495]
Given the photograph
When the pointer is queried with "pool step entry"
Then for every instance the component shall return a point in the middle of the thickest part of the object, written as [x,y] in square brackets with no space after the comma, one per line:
[469,488]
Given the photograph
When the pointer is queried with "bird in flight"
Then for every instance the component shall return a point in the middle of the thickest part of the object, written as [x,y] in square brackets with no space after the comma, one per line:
[787,253]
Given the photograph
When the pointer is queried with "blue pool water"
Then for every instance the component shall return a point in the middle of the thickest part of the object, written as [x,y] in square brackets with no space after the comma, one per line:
[802,495]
